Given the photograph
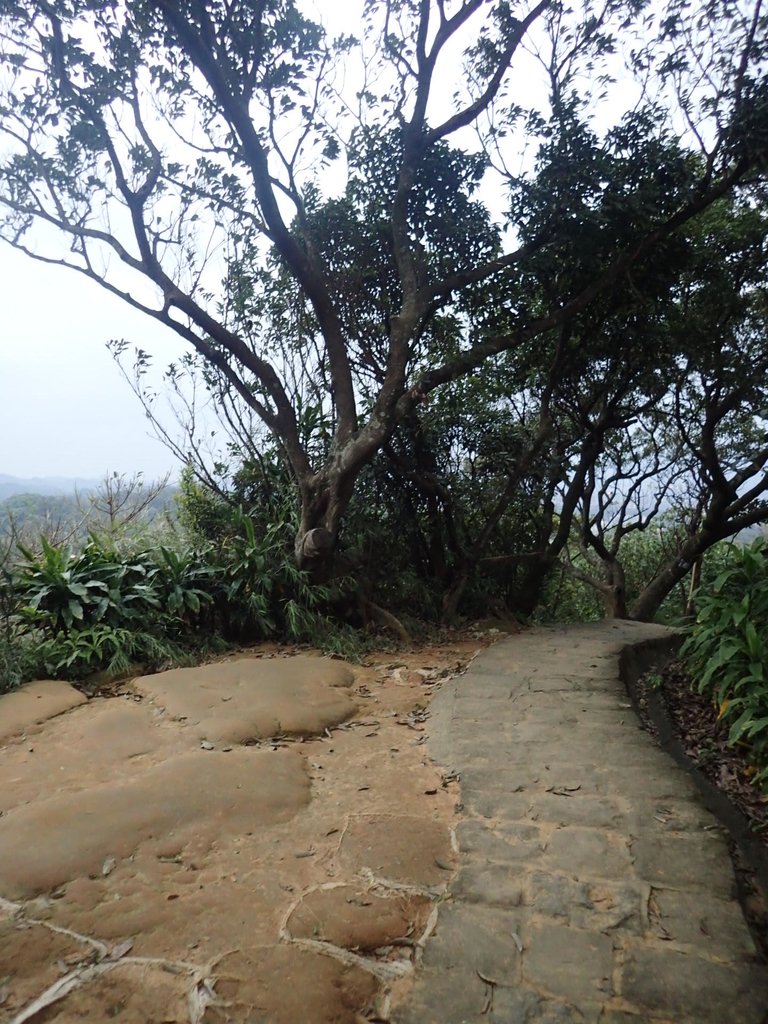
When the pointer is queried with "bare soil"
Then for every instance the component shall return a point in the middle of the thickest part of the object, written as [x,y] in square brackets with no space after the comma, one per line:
[704,738]
[263,839]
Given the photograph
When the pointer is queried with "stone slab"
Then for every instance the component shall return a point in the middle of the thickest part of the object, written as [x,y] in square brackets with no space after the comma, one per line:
[35,703]
[688,987]
[689,862]
[584,842]
[589,853]
[566,962]
[494,885]
[478,939]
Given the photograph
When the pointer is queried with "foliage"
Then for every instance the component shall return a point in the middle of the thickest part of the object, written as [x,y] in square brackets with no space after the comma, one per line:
[205,515]
[261,590]
[111,649]
[124,505]
[60,590]
[565,598]
[570,594]
[33,514]
[12,669]
[181,148]
[726,651]
[117,507]
[680,441]
[68,612]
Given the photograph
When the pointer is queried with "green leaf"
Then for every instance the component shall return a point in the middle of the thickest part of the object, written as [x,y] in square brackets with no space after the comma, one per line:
[754,642]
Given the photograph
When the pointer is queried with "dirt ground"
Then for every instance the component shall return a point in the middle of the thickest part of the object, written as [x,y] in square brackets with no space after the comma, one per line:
[259,840]
[704,737]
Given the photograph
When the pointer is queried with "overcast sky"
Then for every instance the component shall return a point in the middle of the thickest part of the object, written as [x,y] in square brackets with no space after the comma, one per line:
[64,408]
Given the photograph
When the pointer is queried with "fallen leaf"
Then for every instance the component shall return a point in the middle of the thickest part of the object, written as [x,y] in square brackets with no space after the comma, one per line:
[563,790]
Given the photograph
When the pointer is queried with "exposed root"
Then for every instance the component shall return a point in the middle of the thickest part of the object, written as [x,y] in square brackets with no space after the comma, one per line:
[454,841]
[388,885]
[17,912]
[384,970]
[374,613]
[75,979]
[200,995]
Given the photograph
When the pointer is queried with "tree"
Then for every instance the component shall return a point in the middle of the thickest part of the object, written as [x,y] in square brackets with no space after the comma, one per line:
[189,144]
[697,457]
[121,502]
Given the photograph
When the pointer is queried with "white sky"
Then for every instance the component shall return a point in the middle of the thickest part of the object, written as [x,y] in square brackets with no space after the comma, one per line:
[64,408]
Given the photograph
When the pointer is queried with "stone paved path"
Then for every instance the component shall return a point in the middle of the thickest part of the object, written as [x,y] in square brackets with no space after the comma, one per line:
[593,887]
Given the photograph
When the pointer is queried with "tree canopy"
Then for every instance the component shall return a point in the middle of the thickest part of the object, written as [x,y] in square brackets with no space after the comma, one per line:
[525,206]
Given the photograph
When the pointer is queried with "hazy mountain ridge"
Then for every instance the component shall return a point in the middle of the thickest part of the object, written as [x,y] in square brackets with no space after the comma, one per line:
[48,486]
[67,508]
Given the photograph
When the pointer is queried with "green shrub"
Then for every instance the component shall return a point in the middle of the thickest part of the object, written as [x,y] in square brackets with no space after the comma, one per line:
[60,590]
[101,608]
[726,651]
[110,605]
[261,591]
[184,581]
[566,598]
[11,667]
[118,601]
[83,652]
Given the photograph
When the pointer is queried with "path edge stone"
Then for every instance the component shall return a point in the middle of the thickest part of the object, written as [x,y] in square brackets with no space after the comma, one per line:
[636,660]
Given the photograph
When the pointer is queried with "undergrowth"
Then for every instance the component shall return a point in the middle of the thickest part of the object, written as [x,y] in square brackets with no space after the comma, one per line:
[726,652]
[112,606]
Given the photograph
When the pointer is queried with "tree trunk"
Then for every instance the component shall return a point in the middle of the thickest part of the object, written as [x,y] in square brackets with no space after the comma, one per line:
[694,586]
[652,597]
[453,596]
[615,593]
[528,594]
[325,498]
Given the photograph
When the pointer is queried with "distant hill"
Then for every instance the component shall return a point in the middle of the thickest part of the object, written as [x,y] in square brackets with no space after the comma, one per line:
[47,485]
[60,507]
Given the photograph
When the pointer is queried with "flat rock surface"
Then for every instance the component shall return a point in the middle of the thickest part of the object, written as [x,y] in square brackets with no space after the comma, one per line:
[186,801]
[355,918]
[395,847]
[34,703]
[253,840]
[593,886]
[252,698]
[270,840]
